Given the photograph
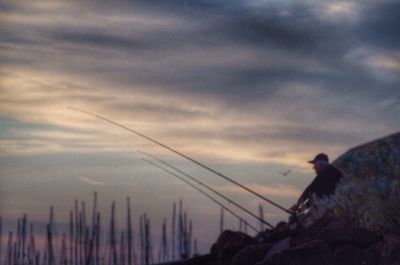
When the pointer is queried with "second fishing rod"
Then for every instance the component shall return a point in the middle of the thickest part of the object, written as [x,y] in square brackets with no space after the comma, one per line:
[207,187]
[184,156]
[202,192]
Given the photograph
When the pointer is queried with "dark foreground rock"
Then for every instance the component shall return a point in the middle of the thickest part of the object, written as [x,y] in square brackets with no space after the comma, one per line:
[229,244]
[312,252]
[327,241]
[251,254]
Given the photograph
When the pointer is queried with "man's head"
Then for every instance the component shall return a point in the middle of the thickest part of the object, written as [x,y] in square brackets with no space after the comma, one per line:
[320,162]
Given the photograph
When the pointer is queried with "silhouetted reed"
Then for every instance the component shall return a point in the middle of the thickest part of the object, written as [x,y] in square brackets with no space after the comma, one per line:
[80,243]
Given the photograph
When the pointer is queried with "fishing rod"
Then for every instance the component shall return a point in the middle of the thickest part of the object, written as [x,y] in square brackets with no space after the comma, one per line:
[184,156]
[204,193]
[208,187]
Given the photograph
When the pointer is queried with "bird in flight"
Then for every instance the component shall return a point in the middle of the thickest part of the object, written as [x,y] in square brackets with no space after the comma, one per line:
[286,172]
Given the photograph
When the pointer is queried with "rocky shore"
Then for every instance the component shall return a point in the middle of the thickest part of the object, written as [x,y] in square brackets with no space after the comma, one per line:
[327,241]
[360,225]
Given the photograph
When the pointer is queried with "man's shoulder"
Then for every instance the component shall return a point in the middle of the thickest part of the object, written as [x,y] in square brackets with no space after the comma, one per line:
[331,170]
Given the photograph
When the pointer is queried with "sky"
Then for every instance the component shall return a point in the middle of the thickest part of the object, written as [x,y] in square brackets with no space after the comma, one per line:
[250,88]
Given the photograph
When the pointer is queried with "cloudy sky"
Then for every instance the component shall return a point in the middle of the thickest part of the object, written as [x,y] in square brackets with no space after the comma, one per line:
[251,88]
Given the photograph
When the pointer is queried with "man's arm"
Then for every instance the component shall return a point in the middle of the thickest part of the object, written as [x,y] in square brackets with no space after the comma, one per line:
[308,191]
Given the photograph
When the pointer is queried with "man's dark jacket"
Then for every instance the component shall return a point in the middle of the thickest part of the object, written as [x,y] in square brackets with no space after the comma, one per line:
[324,183]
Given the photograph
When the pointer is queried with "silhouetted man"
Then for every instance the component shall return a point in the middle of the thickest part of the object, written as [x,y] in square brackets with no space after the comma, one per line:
[324,183]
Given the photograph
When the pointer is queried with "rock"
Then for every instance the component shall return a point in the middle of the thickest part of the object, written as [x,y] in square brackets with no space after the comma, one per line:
[229,244]
[262,237]
[208,259]
[281,231]
[353,255]
[306,234]
[311,253]
[328,241]
[391,249]
[251,255]
[348,255]
[357,236]
[377,158]
[330,224]
[279,246]
[222,241]
[372,255]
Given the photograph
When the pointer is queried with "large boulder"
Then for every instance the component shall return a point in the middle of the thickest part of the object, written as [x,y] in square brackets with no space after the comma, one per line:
[377,158]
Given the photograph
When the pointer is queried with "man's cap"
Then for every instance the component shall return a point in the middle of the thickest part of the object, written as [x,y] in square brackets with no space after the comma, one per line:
[320,157]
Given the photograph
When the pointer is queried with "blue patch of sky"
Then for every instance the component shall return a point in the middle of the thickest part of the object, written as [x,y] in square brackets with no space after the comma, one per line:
[10,125]
[11,128]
